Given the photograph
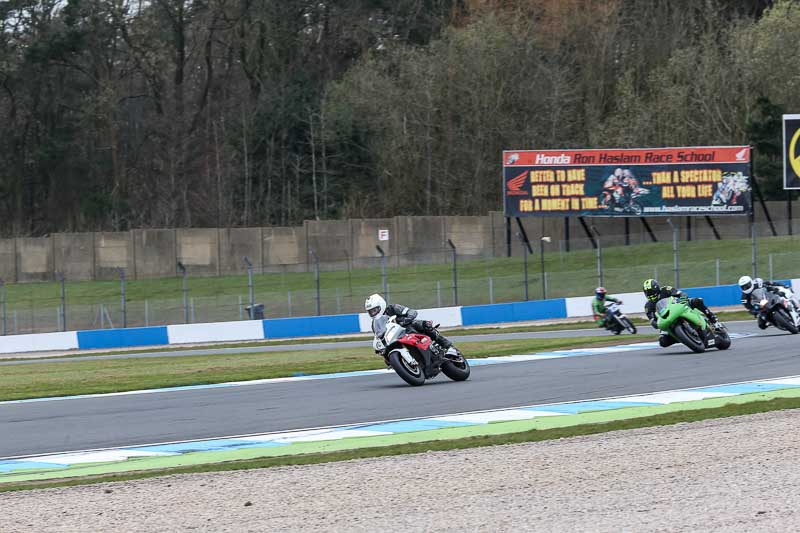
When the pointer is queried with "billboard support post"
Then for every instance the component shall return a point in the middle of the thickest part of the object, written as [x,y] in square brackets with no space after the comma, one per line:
[788,213]
[713,228]
[599,257]
[676,265]
[524,265]
[566,233]
[508,237]
[649,229]
[588,232]
[754,259]
[627,231]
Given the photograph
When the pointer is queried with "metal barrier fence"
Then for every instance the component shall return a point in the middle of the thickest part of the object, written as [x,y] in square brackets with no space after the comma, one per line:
[449,279]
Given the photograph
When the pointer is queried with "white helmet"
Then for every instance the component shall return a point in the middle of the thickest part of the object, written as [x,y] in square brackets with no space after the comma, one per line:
[375,305]
[759,283]
[746,284]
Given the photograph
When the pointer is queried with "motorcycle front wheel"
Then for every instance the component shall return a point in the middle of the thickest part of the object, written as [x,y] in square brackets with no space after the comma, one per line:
[722,340]
[783,321]
[629,325]
[689,337]
[410,373]
[456,370]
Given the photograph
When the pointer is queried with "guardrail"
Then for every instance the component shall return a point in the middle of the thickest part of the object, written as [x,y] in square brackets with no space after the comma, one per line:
[282,328]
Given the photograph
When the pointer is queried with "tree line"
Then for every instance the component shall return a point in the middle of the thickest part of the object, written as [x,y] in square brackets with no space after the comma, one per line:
[120,114]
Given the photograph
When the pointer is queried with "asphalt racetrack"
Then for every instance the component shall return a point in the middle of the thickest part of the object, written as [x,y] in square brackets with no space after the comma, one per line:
[136,419]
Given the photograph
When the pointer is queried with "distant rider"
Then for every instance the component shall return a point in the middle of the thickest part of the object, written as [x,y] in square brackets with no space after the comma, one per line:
[599,308]
[375,306]
[748,285]
[654,292]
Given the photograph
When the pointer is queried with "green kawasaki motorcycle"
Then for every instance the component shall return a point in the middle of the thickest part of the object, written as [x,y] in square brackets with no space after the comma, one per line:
[689,326]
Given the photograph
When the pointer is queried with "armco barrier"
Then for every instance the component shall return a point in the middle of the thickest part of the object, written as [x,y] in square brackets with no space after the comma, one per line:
[338,324]
[513,312]
[120,338]
[277,328]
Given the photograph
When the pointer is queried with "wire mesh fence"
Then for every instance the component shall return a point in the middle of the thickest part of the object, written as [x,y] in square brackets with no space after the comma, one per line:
[446,279]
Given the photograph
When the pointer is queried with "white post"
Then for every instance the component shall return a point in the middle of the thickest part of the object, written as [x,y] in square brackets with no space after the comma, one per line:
[146,313]
[191,309]
[338,301]
[438,294]
[241,310]
[289,301]
[102,317]
[491,290]
[717,271]
[771,274]
[545,285]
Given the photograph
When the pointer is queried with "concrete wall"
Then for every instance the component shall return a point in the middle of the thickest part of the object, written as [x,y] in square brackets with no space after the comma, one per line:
[364,239]
[34,259]
[113,250]
[236,243]
[284,249]
[155,253]
[74,255]
[338,244]
[8,259]
[198,250]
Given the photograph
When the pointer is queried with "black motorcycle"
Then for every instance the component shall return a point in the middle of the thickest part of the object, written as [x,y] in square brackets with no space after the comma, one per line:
[616,321]
[775,309]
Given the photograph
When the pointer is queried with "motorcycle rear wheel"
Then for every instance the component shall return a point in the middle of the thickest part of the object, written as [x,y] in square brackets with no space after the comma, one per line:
[784,322]
[457,371]
[689,337]
[408,373]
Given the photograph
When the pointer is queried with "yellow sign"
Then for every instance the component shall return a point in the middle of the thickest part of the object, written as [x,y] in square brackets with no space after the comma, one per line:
[794,158]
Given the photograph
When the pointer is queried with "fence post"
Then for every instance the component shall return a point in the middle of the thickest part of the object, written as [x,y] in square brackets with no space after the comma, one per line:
[182,268]
[249,267]
[122,296]
[491,290]
[754,253]
[384,281]
[338,302]
[289,301]
[146,313]
[771,274]
[316,278]
[191,306]
[62,280]
[599,257]
[717,271]
[3,304]
[676,266]
[455,273]
[524,264]
[544,274]
[438,294]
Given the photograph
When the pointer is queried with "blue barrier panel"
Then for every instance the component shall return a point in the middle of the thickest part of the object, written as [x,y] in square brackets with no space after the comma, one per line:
[723,294]
[513,312]
[122,337]
[307,326]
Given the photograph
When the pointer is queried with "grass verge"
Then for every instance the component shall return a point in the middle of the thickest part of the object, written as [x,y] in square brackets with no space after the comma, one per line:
[696,415]
[66,378]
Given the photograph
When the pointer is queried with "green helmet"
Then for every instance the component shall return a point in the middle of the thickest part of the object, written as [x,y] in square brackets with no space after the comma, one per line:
[651,289]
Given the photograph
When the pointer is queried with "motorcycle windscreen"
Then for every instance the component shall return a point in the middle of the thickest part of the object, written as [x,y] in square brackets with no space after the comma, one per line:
[379,326]
[662,305]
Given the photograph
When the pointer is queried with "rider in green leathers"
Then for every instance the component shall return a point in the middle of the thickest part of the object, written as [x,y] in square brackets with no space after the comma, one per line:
[599,306]
[654,292]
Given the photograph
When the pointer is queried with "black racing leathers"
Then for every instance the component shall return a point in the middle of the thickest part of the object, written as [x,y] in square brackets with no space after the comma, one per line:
[747,301]
[665,292]
[407,317]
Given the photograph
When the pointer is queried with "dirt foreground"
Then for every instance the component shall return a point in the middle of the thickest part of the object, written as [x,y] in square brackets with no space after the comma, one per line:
[736,474]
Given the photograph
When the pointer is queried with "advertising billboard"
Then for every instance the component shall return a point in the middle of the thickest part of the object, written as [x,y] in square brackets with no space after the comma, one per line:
[791,151]
[703,180]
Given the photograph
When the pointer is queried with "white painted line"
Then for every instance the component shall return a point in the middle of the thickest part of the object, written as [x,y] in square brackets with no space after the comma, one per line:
[677,396]
[98,457]
[496,416]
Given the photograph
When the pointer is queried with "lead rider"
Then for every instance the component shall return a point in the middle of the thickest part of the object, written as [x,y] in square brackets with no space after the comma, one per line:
[375,306]
[654,292]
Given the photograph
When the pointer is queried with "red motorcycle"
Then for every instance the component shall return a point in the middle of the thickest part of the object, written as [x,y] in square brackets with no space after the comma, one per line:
[414,356]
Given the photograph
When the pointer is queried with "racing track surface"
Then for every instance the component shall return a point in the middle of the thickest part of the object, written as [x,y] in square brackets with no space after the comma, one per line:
[55,426]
